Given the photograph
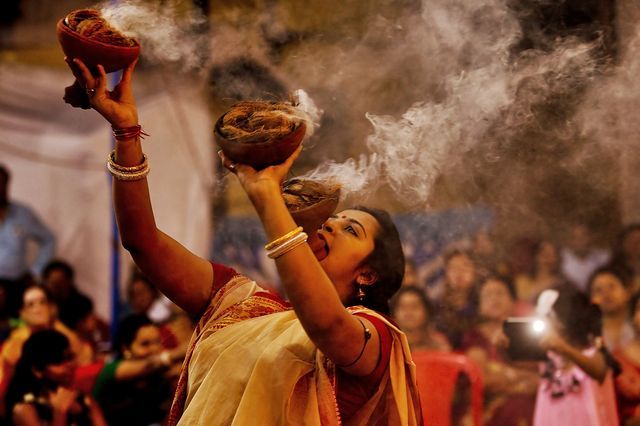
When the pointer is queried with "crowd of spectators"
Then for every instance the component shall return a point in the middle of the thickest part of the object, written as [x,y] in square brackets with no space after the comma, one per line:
[588,294]
[59,363]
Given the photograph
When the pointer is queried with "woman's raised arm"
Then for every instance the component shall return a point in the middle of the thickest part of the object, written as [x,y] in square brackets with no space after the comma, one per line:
[182,276]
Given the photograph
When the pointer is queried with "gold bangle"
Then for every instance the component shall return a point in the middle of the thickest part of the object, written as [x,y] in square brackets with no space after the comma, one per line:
[128,176]
[111,160]
[287,246]
[278,241]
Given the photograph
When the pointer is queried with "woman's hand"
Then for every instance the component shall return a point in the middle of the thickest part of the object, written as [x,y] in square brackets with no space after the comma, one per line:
[259,183]
[62,399]
[552,341]
[117,106]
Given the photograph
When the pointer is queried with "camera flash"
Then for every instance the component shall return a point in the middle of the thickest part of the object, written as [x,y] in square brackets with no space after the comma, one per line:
[538,326]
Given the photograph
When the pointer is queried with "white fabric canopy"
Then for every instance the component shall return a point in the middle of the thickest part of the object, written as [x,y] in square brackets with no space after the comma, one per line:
[56,156]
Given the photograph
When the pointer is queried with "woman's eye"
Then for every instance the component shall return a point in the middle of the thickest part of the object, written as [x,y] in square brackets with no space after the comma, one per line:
[351,230]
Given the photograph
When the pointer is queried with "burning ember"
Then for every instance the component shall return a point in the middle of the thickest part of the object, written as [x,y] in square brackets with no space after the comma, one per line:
[89,23]
[299,194]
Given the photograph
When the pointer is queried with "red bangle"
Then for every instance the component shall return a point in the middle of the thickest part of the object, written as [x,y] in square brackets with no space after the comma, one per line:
[128,132]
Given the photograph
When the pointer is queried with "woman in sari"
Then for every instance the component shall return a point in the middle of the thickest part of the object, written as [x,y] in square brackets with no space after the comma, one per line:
[328,356]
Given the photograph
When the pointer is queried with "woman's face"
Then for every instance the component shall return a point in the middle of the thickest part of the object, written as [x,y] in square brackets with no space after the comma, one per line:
[63,372]
[141,297]
[460,272]
[36,311]
[349,238]
[410,313]
[495,300]
[146,343]
[609,293]
[547,256]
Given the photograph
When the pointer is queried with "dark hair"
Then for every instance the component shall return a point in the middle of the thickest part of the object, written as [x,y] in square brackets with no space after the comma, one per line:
[619,259]
[5,172]
[82,307]
[127,331]
[424,301]
[139,276]
[622,274]
[582,320]
[504,279]
[450,254]
[61,265]
[41,349]
[386,260]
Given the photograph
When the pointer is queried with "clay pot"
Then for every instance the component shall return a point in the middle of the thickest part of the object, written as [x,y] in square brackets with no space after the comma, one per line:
[311,217]
[260,154]
[92,52]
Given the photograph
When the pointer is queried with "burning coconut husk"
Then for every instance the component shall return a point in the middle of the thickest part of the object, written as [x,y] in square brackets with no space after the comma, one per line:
[300,193]
[260,121]
[90,23]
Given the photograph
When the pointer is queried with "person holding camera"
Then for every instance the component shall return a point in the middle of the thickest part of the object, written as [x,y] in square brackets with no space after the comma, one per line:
[576,386]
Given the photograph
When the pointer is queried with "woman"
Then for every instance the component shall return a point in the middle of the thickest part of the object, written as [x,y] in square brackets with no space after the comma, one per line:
[412,311]
[610,289]
[456,311]
[317,363]
[40,392]
[510,389]
[135,388]
[545,274]
[627,254]
[37,313]
[627,383]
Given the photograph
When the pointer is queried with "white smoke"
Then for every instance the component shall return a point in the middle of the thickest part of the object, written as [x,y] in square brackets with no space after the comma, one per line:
[166,34]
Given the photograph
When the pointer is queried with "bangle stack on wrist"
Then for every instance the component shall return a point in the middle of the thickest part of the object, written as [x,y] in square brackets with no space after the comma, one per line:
[124,133]
[127,173]
[286,243]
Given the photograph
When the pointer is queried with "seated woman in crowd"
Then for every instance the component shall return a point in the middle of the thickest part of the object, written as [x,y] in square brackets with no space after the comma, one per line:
[609,288]
[413,312]
[627,383]
[40,392]
[136,388]
[37,313]
[456,310]
[576,386]
[626,254]
[510,388]
[545,273]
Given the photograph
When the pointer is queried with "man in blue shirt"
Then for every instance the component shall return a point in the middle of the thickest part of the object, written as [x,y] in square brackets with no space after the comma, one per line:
[18,225]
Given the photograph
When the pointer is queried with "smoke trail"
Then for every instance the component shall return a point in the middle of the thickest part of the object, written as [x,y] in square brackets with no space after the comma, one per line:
[167,35]
[487,98]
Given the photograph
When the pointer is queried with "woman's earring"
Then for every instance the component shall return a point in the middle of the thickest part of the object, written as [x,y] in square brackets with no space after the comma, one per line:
[361,293]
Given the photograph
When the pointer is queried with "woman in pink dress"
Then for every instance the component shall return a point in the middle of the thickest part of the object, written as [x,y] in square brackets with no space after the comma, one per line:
[576,386]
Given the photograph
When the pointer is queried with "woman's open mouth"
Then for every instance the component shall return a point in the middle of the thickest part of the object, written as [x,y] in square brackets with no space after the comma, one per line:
[320,247]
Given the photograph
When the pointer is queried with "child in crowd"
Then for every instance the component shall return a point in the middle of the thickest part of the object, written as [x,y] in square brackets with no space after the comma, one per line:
[412,311]
[40,392]
[576,386]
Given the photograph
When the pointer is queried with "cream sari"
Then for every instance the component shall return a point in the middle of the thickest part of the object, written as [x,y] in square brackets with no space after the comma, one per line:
[250,362]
